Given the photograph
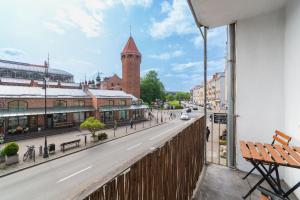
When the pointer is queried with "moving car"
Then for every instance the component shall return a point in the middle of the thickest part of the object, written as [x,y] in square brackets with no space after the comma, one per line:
[195,108]
[185,116]
[188,110]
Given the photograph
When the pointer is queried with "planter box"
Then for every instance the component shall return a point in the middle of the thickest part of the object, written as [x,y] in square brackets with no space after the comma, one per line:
[94,139]
[2,159]
[12,159]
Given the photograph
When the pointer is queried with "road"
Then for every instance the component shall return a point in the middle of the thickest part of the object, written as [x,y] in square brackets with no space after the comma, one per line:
[62,178]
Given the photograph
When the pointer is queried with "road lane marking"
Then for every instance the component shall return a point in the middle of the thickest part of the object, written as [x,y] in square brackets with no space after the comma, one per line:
[63,179]
[134,146]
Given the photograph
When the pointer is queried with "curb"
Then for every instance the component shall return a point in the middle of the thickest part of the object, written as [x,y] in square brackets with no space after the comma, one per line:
[92,146]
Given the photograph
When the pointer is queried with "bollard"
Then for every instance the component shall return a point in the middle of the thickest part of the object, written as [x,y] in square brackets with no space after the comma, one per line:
[85,140]
[40,150]
[135,127]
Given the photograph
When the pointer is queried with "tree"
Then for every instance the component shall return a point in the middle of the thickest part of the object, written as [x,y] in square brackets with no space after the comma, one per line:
[180,96]
[170,97]
[152,88]
[93,125]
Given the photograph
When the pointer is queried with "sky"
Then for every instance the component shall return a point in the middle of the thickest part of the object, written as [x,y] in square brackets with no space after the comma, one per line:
[85,37]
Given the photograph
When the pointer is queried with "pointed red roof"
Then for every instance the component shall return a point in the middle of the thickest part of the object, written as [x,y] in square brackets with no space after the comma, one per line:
[130,47]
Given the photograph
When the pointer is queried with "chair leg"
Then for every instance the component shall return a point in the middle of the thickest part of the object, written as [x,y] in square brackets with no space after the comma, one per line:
[248,173]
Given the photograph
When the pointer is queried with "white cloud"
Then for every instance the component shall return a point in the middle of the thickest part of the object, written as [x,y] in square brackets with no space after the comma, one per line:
[11,52]
[183,66]
[167,55]
[54,27]
[216,37]
[178,21]
[87,15]
[165,7]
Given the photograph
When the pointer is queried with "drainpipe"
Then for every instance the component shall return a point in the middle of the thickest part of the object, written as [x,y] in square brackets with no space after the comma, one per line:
[231,117]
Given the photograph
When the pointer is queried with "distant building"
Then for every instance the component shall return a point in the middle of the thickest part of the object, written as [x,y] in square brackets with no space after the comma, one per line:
[215,92]
[22,96]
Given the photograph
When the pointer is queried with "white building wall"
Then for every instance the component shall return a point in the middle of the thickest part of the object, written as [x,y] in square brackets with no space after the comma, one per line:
[259,79]
[292,82]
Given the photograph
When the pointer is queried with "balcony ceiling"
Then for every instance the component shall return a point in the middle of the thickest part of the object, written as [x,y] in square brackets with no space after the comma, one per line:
[214,13]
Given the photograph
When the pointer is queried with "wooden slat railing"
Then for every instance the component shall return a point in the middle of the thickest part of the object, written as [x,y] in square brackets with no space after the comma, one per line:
[168,173]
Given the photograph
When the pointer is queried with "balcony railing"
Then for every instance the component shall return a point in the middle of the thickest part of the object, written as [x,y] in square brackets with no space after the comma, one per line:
[178,163]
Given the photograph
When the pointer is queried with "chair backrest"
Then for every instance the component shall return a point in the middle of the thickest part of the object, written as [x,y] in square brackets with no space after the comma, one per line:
[281,138]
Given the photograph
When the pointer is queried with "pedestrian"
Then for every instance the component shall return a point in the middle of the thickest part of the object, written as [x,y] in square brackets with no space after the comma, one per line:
[207,133]
[115,125]
[171,115]
[131,123]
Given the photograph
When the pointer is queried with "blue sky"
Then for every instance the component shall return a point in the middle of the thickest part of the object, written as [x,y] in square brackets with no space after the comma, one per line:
[87,36]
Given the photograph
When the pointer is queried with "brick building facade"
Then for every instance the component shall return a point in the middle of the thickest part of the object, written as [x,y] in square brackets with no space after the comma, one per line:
[130,82]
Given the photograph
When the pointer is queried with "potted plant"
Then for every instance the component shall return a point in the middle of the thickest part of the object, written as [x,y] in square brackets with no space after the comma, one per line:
[2,156]
[11,151]
[92,125]
[102,136]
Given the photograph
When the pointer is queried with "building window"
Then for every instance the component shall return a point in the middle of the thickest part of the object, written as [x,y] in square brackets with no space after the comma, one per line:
[80,103]
[17,105]
[60,103]
[123,102]
[123,114]
[111,102]
[60,117]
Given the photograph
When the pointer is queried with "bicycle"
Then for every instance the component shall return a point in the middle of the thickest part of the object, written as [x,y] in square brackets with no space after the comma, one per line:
[30,153]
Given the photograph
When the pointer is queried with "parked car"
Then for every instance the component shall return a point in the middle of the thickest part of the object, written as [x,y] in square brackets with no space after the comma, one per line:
[184,116]
[188,110]
[195,108]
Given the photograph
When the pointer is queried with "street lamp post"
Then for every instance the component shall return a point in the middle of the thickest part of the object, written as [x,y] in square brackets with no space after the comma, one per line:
[46,153]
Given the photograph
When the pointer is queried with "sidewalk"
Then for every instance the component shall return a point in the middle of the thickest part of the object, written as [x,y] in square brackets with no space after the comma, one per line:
[58,139]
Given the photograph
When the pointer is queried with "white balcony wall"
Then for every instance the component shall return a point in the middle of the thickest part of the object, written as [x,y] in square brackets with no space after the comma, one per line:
[292,82]
[259,79]
[268,80]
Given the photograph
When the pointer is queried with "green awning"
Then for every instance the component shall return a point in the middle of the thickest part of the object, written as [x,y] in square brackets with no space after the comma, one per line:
[118,108]
[41,111]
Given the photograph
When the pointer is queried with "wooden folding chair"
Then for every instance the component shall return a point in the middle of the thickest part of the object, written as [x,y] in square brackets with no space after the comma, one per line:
[278,137]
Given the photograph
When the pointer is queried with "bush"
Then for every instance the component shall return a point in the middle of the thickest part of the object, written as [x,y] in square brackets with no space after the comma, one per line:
[175,104]
[11,149]
[102,136]
[2,153]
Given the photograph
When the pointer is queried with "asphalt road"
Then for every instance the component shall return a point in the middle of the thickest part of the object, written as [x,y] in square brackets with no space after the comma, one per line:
[62,178]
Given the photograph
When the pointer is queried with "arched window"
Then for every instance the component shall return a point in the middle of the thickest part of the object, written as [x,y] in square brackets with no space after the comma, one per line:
[17,105]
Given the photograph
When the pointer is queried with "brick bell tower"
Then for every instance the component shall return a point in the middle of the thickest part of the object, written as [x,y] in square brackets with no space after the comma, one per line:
[131,60]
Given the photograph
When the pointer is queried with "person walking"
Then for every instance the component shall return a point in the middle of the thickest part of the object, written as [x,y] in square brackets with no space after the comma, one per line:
[207,133]
[131,123]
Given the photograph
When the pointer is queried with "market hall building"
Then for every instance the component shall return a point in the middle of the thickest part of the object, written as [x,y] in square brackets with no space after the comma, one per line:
[23,99]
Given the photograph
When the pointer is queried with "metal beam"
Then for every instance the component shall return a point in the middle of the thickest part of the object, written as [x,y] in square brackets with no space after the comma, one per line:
[231,122]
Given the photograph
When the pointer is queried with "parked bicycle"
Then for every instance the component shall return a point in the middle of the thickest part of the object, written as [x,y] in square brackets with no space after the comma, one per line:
[30,153]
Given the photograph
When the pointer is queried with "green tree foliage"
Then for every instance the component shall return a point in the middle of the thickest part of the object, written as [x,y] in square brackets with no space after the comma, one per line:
[93,125]
[170,97]
[182,96]
[151,87]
